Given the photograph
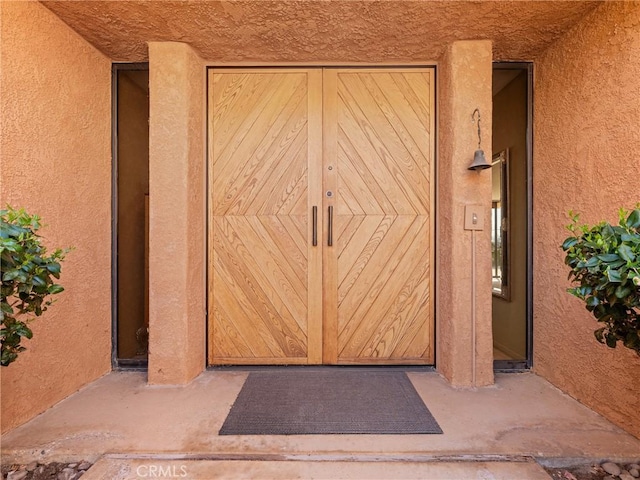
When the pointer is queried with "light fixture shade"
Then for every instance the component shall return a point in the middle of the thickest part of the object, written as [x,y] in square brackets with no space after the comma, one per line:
[479,161]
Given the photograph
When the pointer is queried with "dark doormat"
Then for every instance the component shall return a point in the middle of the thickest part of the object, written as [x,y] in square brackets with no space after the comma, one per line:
[332,401]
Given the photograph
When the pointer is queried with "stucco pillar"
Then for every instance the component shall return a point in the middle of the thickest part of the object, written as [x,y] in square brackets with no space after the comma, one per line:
[177,213]
[465,84]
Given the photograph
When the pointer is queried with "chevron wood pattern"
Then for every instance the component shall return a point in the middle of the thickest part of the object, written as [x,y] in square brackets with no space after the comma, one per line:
[279,141]
[380,297]
[259,133]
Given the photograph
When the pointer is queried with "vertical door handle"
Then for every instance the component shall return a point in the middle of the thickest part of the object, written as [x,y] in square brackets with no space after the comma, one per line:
[314,214]
[330,229]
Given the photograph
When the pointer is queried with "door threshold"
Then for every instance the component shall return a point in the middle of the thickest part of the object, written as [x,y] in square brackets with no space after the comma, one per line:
[254,368]
[510,366]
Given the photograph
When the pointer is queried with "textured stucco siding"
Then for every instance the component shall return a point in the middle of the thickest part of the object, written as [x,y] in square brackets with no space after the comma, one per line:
[587,124]
[55,154]
[177,291]
[319,31]
[464,84]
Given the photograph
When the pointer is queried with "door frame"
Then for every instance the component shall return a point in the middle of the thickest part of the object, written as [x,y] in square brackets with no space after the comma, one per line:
[433,176]
[116,362]
[527,363]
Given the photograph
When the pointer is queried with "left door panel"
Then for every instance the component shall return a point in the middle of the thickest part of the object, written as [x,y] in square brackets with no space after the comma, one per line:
[265,298]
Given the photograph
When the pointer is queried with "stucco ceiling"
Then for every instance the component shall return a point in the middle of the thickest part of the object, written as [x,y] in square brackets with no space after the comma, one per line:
[319,30]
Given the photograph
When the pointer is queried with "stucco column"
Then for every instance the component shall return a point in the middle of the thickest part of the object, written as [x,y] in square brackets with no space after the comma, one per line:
[177,213]
[465,84]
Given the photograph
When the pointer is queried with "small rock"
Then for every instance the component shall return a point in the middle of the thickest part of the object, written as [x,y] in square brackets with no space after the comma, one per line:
[611,468]
[84,465]
[624,475]
[17,475]
[609,477]
[79,474]
[72,465]
[32,466]
[40,470]
[67,474]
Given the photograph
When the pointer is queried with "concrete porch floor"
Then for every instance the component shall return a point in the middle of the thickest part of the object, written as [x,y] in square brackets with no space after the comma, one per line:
[122,417]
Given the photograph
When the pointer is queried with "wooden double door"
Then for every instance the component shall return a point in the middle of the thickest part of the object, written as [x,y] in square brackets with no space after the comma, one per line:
[320,216]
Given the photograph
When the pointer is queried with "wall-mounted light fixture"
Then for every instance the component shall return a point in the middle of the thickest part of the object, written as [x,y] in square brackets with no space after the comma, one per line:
[479,160]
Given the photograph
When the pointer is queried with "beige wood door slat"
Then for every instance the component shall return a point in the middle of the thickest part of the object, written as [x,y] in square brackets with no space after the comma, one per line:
[385,291]
[232,127]
[233,341]
[296,228]
[282,333]
[369,285]
[237,185]
[273,272]
[285,186]
[413,123]
[287,246]
[360,246]
[387,121]
[231,299]
[400,317]
[346,227]
[349,158]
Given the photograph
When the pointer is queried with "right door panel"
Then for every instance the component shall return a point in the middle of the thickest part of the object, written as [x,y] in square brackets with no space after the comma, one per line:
[377,169]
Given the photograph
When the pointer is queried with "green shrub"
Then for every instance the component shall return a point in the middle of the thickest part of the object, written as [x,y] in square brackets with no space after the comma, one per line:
[605,269]
[27,278]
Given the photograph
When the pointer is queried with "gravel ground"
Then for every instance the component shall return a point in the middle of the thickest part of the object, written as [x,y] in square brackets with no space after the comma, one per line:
[48,471]
[603,471]
[73,471]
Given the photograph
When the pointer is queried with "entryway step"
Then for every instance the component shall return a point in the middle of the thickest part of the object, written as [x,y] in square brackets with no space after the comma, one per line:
[194,469]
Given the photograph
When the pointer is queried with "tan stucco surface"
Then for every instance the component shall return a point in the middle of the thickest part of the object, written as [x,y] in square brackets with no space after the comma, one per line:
[177,213]
[586,148]
[319,31]
[55,153]
[465,84]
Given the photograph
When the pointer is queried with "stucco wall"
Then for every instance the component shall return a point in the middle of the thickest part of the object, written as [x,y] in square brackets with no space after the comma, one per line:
[55,152]
[177,288]
[464,84]
[509,131]
[587,119]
